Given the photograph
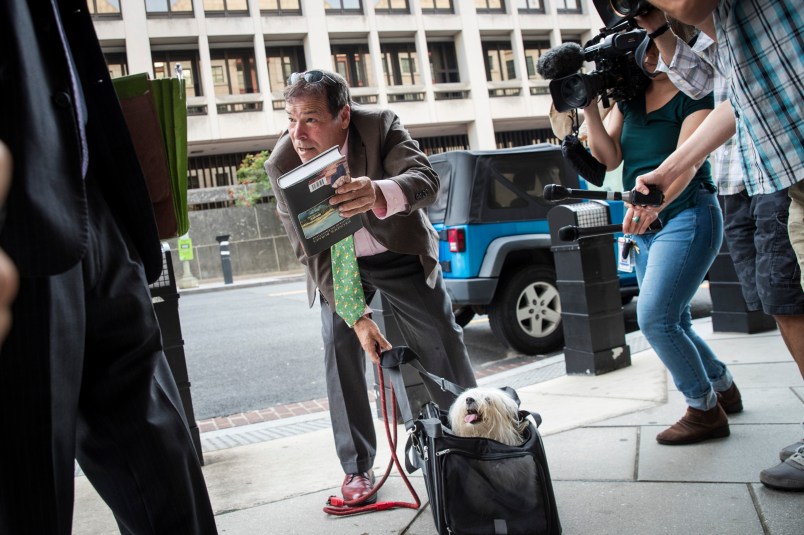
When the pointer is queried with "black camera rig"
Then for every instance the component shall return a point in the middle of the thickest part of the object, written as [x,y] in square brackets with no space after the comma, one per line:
[617,75]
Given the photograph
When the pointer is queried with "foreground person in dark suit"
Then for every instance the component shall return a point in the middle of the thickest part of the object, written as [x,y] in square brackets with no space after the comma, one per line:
[82,372]
[9,280]
[397,250]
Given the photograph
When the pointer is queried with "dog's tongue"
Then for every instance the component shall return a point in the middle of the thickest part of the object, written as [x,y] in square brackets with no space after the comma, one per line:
[470,418]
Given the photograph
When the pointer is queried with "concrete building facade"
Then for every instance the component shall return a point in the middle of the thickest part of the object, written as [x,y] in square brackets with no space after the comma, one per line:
[459,73]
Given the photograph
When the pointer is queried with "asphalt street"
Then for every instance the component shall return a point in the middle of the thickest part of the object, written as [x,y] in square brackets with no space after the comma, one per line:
[256,347]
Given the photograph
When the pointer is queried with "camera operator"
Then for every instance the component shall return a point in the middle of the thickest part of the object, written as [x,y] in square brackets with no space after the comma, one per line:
[672,263]
[764,258]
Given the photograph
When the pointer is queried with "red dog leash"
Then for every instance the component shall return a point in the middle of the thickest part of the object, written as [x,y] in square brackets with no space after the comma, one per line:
[340,507]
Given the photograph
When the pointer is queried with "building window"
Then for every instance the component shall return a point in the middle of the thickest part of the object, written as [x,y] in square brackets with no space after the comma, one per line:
[521,138]
[530,6]
[399,64]
[343,7]
[443,63]
[117,64]
[104,8]
[282,62]
[437,6]
[169,7]
[211,171]
[226,7]
[233,71]
[533,51]
[353,63]
[280,7]
[499,60]
[439,144]
[392,6]
[218,76]
[568,6]
[165,67]
[490,6]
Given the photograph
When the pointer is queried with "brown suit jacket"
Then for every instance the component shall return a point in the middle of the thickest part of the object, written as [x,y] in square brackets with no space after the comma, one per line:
[380,148]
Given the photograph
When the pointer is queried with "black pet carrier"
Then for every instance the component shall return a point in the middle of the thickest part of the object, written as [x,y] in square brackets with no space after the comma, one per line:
[476,486]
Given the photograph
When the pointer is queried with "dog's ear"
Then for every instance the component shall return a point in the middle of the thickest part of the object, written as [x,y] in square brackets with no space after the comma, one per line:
[511,393]
[522,425]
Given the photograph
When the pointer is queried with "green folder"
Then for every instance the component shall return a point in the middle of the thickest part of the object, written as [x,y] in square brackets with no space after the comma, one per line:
[148,106]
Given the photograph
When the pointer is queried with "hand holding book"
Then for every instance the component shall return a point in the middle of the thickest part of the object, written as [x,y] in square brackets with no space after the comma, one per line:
[310,194]
[357,196]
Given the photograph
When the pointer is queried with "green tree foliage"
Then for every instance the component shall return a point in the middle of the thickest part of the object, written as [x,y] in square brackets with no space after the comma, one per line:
[253,180]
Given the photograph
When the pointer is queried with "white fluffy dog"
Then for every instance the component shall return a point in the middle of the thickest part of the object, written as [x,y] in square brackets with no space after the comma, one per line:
[487,413]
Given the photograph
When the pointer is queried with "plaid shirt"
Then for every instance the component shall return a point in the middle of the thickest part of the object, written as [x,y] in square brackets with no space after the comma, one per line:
[762,42]
[693,70]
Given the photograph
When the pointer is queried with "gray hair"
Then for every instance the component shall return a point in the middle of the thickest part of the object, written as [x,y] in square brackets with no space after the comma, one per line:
[332,86]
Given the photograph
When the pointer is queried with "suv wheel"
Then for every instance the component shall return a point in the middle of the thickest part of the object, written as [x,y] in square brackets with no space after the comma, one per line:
[463,315]
[526,313]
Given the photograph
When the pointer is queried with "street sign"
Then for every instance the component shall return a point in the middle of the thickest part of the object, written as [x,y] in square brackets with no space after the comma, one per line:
[185,245]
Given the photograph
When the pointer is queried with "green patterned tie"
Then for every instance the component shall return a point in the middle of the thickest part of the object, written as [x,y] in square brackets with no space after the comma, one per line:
[350,302]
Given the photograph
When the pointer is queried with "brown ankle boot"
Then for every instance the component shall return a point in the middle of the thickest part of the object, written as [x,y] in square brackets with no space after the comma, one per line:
[730,399]
[696,426]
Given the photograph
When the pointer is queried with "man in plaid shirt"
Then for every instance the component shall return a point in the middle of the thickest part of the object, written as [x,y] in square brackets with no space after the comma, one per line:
[758,66]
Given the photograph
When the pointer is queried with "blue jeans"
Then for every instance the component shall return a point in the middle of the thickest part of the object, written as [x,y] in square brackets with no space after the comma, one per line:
[670,267]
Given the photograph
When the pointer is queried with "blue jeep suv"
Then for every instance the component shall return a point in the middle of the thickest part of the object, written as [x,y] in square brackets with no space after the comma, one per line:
[491,218]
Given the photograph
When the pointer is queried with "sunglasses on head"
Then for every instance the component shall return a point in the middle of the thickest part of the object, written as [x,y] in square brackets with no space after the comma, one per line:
[311,77]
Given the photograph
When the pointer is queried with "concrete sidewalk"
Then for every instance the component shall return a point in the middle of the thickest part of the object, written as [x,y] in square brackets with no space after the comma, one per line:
[609,473]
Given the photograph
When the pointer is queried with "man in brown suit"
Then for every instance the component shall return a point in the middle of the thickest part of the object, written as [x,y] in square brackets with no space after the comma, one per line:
[397,250]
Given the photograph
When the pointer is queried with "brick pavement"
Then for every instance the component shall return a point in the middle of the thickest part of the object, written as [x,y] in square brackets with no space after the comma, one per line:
[288,410]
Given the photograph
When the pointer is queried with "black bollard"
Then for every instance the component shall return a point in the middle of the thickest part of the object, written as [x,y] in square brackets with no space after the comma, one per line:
[226,260]
[586,273]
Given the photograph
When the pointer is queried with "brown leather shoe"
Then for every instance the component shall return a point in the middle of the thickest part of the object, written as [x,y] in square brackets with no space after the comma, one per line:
[356,486]
[696,426]
[730,399]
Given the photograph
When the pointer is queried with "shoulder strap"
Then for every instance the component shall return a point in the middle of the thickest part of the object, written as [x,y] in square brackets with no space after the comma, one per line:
[391,360]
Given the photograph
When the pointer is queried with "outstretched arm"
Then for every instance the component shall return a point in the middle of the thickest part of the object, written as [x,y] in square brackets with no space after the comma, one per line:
[715,130]
[692,12]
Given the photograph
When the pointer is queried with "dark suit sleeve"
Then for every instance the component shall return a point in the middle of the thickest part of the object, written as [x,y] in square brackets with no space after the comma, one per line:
[45,228]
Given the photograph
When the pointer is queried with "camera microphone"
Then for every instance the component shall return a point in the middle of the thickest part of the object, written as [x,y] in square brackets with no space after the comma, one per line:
[557,192]
[573,233]
[560,61]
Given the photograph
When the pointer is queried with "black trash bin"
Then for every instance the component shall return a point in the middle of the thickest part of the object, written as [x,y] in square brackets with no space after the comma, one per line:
[165,298]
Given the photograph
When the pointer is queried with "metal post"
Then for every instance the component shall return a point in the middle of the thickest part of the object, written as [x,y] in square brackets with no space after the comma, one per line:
[226,261]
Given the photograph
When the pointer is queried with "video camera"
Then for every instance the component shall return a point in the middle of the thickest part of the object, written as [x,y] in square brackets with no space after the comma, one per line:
[617,74]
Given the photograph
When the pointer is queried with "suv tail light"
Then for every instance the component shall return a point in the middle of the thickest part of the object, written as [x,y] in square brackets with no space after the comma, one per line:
[457,240]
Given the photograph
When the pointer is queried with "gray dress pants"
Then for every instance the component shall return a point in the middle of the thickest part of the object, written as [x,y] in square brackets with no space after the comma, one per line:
[425,318]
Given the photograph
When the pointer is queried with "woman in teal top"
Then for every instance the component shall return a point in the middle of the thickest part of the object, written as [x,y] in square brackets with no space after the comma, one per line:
[671,264]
